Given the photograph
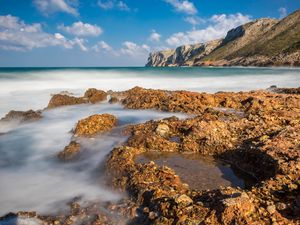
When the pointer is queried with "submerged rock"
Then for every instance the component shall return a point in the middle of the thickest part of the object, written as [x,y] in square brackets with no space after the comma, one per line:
[22,116]
[95,124]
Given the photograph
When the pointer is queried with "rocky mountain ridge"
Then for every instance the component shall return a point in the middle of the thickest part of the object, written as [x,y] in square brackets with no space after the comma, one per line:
[263,42]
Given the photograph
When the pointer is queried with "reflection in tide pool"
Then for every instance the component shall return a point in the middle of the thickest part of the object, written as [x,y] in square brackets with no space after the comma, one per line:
[199,172]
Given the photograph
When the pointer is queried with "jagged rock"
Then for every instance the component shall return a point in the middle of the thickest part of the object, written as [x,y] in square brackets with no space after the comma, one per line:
[70,151]
[22,116]
[95,124]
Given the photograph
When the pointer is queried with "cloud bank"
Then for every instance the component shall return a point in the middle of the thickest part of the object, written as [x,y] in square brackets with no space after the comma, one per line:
[16,35]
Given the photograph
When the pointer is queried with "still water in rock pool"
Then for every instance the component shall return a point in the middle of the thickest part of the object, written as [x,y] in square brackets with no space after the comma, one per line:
[199,172]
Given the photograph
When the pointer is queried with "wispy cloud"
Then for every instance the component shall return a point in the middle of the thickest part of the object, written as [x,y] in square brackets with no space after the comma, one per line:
[47,7]
[113,4]
[132,49]
[102,46]
[154,36]
[16,35]
[194,20]
[184,6]
[218,26]
[128,49]
[82,29]
[282,12]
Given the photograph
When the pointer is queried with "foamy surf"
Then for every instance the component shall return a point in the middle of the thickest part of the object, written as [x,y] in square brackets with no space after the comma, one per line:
[22,89]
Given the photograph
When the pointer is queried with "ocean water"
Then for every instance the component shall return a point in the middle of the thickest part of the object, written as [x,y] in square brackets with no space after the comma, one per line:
[30,88]
[32,178]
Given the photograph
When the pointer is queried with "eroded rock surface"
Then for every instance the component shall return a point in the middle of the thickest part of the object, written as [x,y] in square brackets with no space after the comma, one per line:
[92,95]
[259,134]
[70,151]
[22,116]
[95,124]
[87,127]
[257,131]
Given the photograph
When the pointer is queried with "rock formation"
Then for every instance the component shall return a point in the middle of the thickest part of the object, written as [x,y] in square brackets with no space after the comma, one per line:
[22,116]
[263,42]
[92,96]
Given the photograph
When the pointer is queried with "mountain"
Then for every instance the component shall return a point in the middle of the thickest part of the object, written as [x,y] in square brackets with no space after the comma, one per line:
[263,42]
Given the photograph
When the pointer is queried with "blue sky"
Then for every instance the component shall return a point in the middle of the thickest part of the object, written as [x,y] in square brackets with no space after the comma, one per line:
[117,33]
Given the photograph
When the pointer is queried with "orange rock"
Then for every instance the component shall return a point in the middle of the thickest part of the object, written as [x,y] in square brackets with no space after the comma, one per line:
[95,124]
[94,96]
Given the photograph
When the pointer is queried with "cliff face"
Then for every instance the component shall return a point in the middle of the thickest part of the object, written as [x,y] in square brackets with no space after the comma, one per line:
[183,55]
[263,42]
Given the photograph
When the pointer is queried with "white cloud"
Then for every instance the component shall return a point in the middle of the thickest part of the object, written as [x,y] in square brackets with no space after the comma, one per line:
[154,36]
[80,43]
[52,6]
[134,50]
[102,46]
[82,29]
[184,6]
[282,12]
[194,20]
[113,4]
[17,36]
[218,28]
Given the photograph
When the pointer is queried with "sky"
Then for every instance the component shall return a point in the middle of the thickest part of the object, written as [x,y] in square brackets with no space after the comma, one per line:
[92,33]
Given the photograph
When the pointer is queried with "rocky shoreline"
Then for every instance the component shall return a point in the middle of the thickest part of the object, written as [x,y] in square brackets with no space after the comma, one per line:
[257,132]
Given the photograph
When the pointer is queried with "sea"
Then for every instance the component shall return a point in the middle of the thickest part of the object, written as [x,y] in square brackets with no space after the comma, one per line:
[32,177]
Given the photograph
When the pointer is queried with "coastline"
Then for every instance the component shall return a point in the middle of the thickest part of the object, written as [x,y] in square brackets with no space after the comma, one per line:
[262,142]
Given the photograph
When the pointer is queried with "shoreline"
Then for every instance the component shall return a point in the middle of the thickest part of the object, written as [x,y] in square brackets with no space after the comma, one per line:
[263,142]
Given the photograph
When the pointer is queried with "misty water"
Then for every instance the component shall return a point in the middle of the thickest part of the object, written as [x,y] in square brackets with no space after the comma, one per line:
[32,178]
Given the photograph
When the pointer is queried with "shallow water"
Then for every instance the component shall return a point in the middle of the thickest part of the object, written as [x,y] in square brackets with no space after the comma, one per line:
[199,172]
[32,178]
[30,88]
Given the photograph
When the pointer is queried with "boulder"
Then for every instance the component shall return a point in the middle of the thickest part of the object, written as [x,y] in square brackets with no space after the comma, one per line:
[70,151]
[95,124]
[94,96]
[63,100]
